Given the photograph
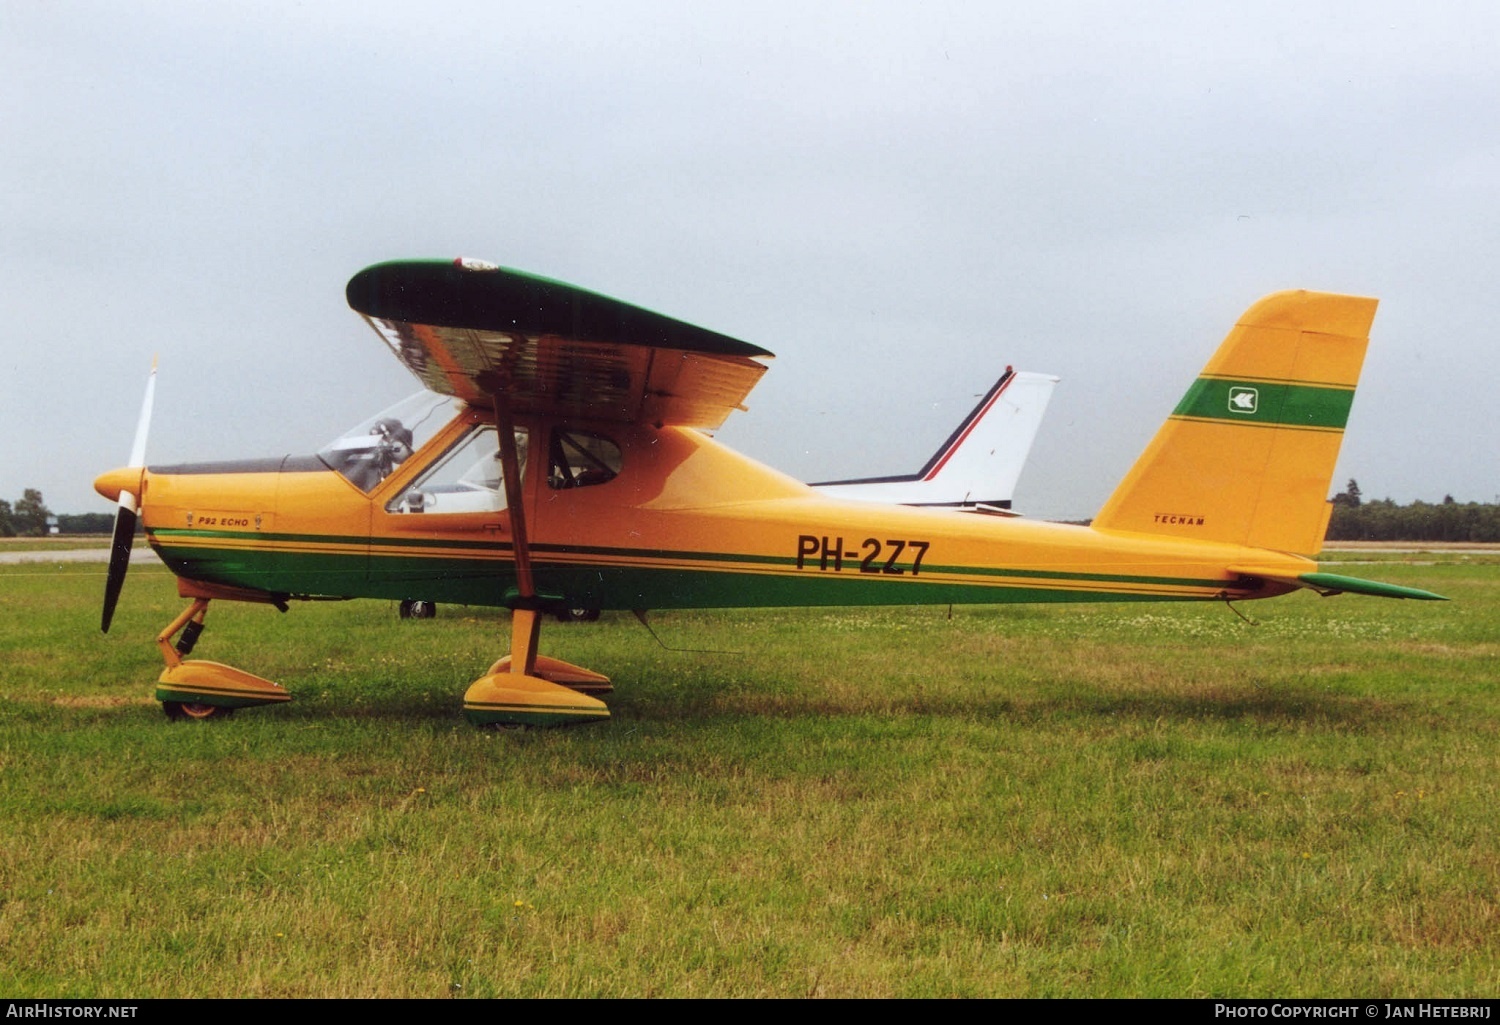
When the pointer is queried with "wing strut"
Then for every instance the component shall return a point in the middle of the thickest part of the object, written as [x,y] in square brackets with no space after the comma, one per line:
[510,467]
[525,618]
[524,689]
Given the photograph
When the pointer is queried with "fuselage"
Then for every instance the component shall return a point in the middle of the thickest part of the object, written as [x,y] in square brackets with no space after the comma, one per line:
[673,520]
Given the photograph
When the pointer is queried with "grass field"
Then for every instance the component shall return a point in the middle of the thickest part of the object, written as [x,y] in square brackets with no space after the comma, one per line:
[1015,801]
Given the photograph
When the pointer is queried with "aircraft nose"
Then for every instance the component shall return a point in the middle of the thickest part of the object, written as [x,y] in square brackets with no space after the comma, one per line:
[126,478]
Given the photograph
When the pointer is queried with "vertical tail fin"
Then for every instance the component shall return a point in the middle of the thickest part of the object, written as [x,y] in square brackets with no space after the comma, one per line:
[1247,455]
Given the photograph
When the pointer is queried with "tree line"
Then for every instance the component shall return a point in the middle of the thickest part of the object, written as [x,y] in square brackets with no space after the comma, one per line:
[29,516]
[1355,519]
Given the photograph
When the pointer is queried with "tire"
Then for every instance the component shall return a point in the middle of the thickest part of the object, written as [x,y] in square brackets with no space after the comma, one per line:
[194,710]
[578,615]
[413,609]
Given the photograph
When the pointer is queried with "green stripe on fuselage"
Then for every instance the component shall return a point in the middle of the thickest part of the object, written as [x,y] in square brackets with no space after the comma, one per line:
[280,572]
[388,564]
[634,587]
[710,583]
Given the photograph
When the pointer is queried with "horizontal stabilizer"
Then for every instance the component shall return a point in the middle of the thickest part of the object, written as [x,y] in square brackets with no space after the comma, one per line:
[1332,583]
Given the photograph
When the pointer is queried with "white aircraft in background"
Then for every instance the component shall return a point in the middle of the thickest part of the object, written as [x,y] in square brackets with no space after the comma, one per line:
[979,464]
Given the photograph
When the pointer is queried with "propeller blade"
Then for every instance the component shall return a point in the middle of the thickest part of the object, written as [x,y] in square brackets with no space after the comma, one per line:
[125,512]
[119,556]
[143,425]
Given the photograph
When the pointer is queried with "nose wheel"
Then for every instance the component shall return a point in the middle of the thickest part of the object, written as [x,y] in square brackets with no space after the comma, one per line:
[192,689]
[194,710]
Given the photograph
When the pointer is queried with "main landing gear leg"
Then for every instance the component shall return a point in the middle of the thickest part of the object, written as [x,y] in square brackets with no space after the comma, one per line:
[517,690]
[205,690]
[526,689]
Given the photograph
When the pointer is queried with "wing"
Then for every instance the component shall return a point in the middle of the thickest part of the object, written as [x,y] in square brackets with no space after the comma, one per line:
[477,331]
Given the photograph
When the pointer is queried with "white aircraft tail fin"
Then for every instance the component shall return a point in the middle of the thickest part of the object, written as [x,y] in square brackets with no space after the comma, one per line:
[980,462]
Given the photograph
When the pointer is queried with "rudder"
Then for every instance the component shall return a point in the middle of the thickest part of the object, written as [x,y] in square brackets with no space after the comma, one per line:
[1248,454]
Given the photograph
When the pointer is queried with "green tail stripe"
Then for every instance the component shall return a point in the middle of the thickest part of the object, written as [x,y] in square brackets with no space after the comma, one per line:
[1267,404]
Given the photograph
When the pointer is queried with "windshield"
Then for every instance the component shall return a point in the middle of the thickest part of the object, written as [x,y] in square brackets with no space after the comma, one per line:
[368,452]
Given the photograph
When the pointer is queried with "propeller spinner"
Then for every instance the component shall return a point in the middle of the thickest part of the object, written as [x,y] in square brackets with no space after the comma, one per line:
[125,510]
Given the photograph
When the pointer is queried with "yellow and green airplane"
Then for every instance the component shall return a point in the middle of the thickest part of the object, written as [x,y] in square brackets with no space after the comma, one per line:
[557,459]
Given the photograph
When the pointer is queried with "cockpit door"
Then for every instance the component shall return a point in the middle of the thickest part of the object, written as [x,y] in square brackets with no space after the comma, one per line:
[442,531]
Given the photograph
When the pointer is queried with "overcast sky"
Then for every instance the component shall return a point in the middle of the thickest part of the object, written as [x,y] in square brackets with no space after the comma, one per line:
[896,199]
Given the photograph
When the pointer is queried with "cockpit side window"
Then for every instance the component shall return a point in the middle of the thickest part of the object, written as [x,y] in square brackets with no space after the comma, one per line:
[467,478]
[580,459]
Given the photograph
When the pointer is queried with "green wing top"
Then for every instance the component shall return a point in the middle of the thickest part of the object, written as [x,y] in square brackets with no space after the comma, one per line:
[485,334]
